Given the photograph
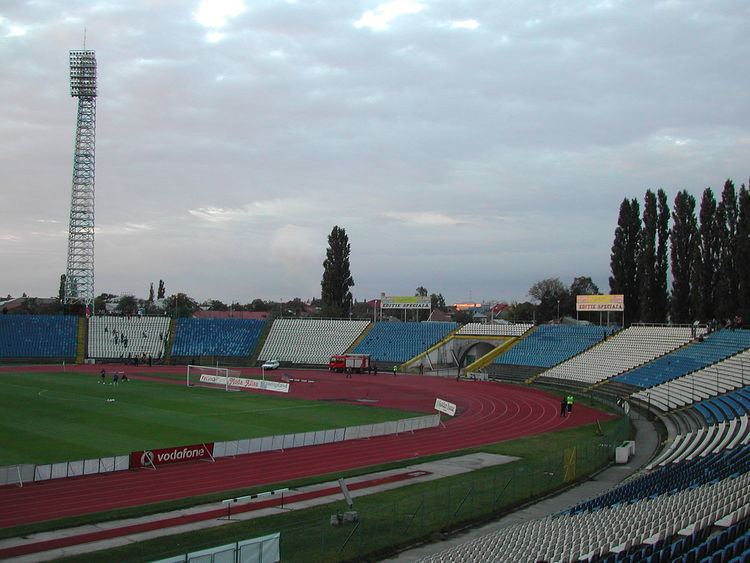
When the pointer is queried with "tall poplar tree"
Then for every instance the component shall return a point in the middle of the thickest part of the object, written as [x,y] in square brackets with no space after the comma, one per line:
[683,238]
[647,259]
[624,258]
[743,253]
[726,231]
[706,258]
[337,277]
[661,302]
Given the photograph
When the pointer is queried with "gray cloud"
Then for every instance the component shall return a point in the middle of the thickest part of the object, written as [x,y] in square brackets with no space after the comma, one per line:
[466,157]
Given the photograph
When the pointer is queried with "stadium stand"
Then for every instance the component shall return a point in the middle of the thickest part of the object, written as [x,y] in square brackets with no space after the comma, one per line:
[621,352]
[38,336]
[716,379]
[494,329]
[548,345]
[216,337]
[398,342]
[657,517]
[127,337]
[713,348]
[309,341]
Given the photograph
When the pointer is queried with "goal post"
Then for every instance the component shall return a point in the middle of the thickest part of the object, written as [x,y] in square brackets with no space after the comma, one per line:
[214,376]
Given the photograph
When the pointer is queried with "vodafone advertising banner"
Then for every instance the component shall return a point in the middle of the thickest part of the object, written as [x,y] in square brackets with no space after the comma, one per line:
[266,385]
[149,458]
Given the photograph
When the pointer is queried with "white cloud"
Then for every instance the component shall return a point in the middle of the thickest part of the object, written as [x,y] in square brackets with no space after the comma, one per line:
[215,36]
[216,14]
[424,218]
[124,229]
[269,209]
[379,18]
[465,24]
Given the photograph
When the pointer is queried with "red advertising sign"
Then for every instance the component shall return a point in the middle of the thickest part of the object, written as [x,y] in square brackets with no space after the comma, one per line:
[154,458]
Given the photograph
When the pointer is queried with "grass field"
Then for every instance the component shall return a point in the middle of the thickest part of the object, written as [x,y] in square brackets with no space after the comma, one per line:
[55,416]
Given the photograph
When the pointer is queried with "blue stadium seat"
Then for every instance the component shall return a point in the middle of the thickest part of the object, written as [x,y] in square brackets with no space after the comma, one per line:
[398,342]
[38,336]
[216,337]
[549,345]
[715,347]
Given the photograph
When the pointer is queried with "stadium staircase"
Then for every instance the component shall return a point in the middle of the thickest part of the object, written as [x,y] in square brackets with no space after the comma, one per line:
[170,341]
[359,339]
[81,340]
[482,362]
[254,360]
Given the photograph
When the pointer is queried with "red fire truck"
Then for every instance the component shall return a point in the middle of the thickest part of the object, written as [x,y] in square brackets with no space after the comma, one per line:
[359,363]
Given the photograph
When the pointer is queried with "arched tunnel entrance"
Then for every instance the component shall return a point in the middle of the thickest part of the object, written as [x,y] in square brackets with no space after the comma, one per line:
[474,351]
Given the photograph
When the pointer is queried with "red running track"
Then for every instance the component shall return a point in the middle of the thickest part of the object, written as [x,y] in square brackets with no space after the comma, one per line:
[213,514]
[487,413]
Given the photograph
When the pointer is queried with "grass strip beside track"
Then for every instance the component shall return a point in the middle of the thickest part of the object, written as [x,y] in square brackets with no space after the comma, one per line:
[538,472]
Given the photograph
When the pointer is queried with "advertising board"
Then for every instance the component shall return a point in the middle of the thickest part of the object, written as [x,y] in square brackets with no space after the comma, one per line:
[600,302]
[405,302]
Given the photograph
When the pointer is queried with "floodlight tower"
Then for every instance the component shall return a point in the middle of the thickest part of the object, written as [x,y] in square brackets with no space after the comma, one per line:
[79,277]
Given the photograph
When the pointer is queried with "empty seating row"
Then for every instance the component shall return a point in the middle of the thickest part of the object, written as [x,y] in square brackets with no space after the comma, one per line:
[710,439]
[38,336]
[621,352]
[216,337]
[731,544]
[674,478]
[310,341]
[714,347]
[127,337]
[548,345]
[494,329]
[718,378]
[398,342]
[609,531]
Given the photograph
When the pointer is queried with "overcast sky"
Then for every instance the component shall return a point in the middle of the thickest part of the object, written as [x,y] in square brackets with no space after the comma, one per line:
[473,147]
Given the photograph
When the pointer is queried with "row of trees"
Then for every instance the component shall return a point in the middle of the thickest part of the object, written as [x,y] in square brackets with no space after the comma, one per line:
[709,255]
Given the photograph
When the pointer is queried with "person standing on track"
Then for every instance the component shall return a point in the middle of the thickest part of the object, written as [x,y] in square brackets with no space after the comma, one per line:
[569,401]
[395,369]
[563,406]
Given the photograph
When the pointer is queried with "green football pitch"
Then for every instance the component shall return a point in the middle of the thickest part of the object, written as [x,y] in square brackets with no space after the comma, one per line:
[55,416]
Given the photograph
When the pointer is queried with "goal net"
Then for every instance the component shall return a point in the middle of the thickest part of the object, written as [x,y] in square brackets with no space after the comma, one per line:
[208,376]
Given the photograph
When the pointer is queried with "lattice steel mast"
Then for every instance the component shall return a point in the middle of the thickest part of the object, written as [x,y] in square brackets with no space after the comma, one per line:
[79,277]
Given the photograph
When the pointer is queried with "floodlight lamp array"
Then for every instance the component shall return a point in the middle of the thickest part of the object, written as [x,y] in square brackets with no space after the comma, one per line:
[83,74]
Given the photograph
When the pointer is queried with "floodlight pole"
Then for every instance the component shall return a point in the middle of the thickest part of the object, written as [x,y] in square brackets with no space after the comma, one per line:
[79,277]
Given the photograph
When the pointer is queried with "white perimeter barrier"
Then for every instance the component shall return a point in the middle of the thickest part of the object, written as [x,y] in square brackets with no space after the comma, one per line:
[257,550]
[28,472]
[24,473]
[288,441]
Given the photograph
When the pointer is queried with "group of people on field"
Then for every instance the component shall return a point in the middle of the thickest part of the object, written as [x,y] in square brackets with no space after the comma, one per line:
[116,375]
